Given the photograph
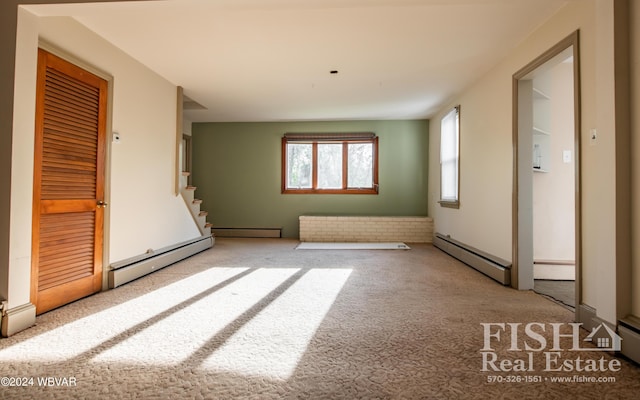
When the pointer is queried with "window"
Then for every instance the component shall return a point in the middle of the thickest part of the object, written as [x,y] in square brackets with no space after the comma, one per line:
[330,163]
[449,158]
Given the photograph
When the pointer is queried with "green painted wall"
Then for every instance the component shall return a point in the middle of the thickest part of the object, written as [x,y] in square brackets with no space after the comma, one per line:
[237,170]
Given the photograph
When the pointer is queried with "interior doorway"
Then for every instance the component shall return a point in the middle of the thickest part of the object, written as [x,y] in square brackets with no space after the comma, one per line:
[546,223]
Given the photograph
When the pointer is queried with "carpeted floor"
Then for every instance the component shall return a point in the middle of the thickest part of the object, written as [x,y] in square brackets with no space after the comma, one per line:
[351,246]
[255,319]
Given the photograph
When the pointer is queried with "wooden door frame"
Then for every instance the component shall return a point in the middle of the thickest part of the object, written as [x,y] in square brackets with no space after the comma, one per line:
[69,57]
[569,41]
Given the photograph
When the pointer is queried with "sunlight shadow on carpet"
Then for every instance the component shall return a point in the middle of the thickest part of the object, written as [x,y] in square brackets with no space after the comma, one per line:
[69,340]
[272,343]
[253,322]
[174,339]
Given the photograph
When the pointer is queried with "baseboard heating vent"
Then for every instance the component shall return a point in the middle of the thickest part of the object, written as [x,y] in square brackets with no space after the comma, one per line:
[133,268]
[492,266]
[629,331]
[248,232]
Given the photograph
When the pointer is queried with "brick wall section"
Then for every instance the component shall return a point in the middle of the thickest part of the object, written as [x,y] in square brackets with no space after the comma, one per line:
[366,229]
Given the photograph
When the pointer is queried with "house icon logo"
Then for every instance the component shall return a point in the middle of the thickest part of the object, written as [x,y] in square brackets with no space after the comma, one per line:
[604,338]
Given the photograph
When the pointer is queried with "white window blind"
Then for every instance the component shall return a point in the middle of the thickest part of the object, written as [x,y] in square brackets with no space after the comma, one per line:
[449,156]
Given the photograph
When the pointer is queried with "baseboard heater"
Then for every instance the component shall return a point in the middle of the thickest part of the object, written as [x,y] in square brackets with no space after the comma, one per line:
[248,232]
[629,331]
[494,267]
[133,268]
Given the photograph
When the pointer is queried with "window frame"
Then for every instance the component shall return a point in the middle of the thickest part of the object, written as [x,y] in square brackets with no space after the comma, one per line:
[345,140]
[451,202]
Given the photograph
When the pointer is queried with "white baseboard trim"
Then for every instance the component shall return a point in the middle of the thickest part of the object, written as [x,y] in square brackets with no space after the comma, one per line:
[247,232]
[555,272]
[18,319]
[589,318]
[628,329]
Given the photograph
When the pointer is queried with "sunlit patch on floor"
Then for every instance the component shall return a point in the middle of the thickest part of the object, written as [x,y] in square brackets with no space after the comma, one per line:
[84,334]
[272,343]
[175,338]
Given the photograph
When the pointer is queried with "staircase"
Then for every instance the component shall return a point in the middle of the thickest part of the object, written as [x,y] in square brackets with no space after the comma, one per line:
[199,216]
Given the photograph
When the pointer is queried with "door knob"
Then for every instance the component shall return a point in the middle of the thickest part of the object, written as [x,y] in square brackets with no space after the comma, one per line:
[102,204]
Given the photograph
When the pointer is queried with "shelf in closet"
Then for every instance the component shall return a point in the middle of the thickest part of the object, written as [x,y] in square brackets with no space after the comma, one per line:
[538,131]
[540,95]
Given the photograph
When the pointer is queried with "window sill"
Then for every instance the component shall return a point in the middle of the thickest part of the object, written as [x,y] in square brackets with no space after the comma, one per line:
[449,204]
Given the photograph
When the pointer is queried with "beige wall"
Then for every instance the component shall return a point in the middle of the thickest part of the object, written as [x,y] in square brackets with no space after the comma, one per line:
[635,159]
[486,153]
[484,218]
[143,211]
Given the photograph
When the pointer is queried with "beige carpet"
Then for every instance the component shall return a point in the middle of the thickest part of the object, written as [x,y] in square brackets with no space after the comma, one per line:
[255,319]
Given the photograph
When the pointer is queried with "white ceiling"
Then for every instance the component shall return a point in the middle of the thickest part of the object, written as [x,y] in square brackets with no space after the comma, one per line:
[270,60]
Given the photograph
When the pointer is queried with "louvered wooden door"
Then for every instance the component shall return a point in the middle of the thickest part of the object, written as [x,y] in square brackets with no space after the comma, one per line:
[68,206]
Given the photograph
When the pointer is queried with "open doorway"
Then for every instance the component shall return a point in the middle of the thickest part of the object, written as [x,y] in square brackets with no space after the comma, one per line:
[186,156]
[553,179]
[546,223]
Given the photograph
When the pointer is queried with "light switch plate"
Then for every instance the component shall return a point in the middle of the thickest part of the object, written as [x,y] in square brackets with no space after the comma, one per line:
[566,156]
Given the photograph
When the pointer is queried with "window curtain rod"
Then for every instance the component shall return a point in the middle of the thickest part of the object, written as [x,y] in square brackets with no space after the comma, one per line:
[329,136]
